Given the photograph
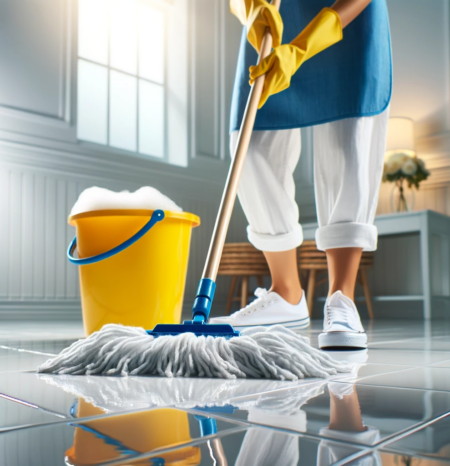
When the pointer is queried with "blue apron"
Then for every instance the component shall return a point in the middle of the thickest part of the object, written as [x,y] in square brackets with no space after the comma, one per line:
[352,78]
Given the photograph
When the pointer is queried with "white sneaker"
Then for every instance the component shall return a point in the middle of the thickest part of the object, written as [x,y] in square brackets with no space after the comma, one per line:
[268,309]
[330,452]
[342,325]
[340,389]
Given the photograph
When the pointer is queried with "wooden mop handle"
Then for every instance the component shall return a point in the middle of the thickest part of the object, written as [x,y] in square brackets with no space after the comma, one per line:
[234,173]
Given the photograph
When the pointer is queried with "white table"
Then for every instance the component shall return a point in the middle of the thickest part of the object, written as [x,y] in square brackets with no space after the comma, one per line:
[434,230]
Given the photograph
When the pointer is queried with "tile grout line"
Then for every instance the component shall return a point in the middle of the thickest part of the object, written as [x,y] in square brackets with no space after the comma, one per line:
[296,433]
[363,452]
[393,438]
[401,388]
[355,456]
[68,419]
[358,379]
[20,350]
[276,391]
[400,341]
[163,451]
[339,380]
[416,455]
[243,424]
[411,430]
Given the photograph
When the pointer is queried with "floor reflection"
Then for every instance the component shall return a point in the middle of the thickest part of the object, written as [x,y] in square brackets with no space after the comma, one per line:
[129,435]
[392,410]
[105,439]
[347,425]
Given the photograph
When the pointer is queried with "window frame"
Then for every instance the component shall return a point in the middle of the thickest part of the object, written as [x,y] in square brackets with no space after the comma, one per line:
[167,7]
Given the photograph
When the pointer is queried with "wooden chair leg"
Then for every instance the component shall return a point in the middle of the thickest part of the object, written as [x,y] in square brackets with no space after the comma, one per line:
[311,289]
[244,291]
[231,294]
[359,277]
[365,285]
[260,281]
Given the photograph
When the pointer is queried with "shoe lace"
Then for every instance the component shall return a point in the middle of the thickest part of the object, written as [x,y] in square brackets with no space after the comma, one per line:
[261,294]
[340,315]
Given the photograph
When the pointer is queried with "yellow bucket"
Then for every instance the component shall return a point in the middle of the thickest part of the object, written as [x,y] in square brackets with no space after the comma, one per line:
[133,265]
[110,438]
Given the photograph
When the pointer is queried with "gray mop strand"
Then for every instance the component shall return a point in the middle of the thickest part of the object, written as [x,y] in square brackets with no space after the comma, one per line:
[261,352]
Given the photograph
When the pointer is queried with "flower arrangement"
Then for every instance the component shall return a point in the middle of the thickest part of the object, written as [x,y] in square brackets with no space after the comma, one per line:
[401,167]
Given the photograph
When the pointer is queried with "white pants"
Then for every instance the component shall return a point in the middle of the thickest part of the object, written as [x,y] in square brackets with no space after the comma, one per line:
[348,166]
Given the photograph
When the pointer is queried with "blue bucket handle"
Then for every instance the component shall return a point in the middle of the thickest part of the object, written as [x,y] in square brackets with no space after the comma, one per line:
[157,216]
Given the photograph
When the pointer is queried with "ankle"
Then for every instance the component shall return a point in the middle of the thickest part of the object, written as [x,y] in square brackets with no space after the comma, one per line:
[291,294]
[348,292]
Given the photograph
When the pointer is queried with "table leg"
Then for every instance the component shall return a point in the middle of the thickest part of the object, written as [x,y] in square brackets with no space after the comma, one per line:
[425,251]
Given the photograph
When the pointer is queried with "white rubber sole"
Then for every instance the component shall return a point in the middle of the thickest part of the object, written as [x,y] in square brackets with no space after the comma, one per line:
[292,324]
[342,340]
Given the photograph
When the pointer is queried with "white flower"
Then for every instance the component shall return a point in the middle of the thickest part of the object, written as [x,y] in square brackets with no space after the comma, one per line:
[409,167]
[395,163]
[399,158]
[392,168]
[420,162]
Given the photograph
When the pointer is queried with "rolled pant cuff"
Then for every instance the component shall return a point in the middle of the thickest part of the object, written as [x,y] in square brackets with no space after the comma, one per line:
[347,235]
[276,243]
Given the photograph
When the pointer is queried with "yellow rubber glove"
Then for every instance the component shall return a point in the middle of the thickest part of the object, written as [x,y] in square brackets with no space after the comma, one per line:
[256,15]
[322,32]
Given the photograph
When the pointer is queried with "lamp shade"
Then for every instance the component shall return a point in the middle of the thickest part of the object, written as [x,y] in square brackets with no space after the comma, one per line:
[400,136]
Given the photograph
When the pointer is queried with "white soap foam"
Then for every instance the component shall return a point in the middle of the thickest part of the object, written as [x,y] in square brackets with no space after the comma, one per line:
[103,199]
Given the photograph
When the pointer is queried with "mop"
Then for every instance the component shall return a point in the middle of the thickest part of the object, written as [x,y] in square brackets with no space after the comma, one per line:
[196,348]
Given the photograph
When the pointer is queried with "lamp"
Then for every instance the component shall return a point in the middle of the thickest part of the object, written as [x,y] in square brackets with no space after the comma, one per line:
[400,137]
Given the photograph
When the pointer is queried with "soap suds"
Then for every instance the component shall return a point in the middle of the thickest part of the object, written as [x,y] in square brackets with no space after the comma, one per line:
[147,198]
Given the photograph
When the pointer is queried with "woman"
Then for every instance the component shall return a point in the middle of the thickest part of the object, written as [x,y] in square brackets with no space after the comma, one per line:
[343,89]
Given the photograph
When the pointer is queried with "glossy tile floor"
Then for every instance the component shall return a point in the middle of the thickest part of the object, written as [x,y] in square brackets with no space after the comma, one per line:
[394,409]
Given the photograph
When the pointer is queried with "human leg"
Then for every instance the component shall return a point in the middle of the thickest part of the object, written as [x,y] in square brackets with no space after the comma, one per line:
[267,195]
[284,273]
[348,167]
[343,265]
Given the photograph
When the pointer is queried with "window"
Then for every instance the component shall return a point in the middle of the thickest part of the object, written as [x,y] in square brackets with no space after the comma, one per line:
[122,82]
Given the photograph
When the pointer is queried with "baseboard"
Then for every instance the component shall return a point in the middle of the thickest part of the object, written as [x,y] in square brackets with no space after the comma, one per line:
[71,310]
[40,310]
[66,310]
